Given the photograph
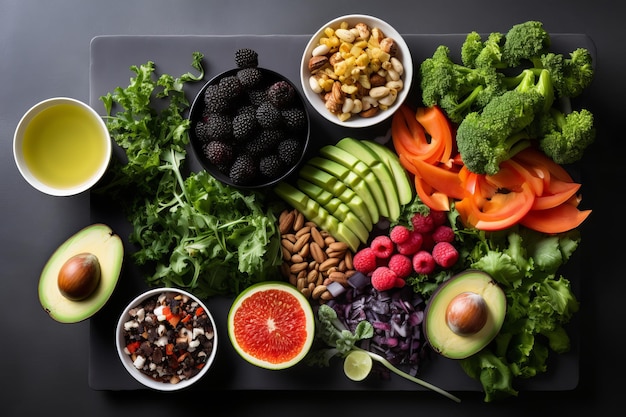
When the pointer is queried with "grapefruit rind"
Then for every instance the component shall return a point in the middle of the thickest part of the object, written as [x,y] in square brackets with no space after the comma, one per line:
[296,298]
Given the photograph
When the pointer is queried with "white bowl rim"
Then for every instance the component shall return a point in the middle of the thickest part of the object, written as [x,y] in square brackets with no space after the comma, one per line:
[19,157]
[316,101]
[127,362]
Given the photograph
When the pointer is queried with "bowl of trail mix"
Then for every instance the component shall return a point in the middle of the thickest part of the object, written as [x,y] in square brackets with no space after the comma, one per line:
[249,125]
[356,70]
[166,339]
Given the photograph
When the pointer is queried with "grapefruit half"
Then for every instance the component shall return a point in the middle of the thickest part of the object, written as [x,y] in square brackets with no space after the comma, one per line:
[271,325]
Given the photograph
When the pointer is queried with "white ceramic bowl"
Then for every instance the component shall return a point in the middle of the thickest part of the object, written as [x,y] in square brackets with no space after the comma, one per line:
[404,56]
[130,362]
[62,146]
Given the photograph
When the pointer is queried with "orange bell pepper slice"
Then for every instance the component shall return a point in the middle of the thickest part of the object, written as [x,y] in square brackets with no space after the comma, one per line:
[558,219]
[436,124]
[409,137]
[495,202]
[534,157]
[433,198]
[559,192]
[444,180]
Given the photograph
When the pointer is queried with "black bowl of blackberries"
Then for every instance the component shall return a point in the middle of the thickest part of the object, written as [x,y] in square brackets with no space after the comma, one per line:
[249,125]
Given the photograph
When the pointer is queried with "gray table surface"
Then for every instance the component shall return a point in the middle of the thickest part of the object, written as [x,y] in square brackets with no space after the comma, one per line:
[45,52]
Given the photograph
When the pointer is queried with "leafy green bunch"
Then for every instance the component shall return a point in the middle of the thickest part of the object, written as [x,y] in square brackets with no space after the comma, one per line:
[540,302]
[191,231]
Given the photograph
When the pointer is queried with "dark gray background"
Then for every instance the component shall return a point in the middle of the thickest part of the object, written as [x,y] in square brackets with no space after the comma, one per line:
[45,52]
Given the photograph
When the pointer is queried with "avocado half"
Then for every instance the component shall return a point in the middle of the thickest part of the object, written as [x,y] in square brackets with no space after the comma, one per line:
[99,240]
[452,342]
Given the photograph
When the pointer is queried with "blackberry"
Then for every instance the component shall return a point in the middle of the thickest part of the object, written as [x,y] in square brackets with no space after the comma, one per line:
[294,118]
[289,151]
[218,153]
[243,170]
[219,127]
[268,115]
[215,100]
[246,58]
[257,96]
[201,131]
[249,77]
[244,124]
[280,94]
[271,166]
[231,87]
[247,109]
[265,142]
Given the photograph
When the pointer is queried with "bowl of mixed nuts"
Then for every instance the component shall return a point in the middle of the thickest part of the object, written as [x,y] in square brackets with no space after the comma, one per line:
[356,70]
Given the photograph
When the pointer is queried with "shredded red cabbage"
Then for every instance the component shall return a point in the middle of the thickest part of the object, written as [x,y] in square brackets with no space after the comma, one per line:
[396,316]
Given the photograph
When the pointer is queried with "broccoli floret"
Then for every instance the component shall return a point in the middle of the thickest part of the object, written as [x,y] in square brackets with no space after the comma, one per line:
[491,55]
[572,75]
[486,139]
[525,41]
[457,88]
[565,136]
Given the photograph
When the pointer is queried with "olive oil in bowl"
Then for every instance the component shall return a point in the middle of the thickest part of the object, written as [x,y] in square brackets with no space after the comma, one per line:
[62,147]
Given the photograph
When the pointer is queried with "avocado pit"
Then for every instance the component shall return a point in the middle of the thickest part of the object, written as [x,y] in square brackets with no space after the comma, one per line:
[466,313]
[79,276]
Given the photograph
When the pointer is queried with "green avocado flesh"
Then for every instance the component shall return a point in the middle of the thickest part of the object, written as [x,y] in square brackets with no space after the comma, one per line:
[441,337]
[99,240]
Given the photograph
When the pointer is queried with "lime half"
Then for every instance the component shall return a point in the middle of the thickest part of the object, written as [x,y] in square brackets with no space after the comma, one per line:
[357,365]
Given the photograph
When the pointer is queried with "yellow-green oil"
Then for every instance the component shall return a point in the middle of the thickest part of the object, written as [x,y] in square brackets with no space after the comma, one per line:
[63,146]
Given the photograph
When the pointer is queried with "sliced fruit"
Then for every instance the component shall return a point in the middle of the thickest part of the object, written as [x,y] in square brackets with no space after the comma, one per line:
[379,168]
[97,240]
[340,190]
[271,325]
[403,183]
[317,214]
[464,314]
[356,165]
[351,180]
[357,365]
[335,207]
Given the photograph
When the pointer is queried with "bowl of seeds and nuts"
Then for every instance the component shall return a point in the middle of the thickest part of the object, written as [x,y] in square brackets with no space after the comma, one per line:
[166,339]
[356,70]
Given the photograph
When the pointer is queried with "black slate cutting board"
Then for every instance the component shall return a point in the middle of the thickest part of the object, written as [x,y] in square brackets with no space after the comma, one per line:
[111,58]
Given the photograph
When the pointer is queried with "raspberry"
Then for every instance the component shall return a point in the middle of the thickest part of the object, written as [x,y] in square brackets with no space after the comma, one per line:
[439,217]
[382,246]
[384,279]
[445,254]
[399,234]
[423,262]
[401,265]
[443,233]
[412,245]
[364,260]
[422,223]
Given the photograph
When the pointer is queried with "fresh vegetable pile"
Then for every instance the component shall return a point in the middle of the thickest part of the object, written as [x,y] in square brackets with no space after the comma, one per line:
[487,145]
[194,232]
